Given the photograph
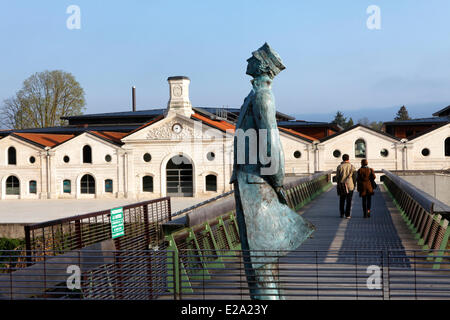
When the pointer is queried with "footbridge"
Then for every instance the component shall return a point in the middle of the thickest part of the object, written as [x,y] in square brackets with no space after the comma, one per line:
[401,252]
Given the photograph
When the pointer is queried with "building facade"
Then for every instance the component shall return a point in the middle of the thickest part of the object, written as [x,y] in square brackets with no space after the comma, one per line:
[186,151]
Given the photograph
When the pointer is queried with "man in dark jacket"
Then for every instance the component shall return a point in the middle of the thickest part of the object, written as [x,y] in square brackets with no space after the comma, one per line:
[346,180]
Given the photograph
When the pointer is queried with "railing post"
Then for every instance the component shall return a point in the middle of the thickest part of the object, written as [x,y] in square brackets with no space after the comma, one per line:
[27,245]
[78,234]
[389,276]
[176,275]
[415,276]
[317,275]
[356,274]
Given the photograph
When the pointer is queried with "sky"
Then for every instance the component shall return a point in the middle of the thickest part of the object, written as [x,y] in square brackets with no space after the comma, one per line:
[333,60]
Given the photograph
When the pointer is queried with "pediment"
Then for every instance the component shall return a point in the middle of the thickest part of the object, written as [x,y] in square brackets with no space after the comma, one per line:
[164,130]
[356,133]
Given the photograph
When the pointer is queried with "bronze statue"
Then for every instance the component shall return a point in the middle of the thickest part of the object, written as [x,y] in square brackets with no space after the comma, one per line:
[268,227]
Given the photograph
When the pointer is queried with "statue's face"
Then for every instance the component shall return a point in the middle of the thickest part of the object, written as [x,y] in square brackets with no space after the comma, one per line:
[253,66]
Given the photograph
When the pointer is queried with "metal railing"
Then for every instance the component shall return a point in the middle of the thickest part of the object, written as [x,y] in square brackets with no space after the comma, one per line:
[142,222]
[87,274]
[305,189]
[299,192]
[358,274]
[430,230]
[197,274]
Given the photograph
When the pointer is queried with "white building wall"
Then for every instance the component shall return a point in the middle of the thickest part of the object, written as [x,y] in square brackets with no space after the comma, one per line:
[345,143]
[100,169]
[24,170]
[127,167]
[434,141]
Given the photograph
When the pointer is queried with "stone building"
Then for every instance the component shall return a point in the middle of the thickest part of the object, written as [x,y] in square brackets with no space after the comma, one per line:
[183,150]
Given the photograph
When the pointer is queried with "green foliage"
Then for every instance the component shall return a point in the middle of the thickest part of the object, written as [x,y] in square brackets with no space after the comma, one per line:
[377,125]
[402,114]
[45,97]
[10,244]
[7,257]
[340,120]
[349,123]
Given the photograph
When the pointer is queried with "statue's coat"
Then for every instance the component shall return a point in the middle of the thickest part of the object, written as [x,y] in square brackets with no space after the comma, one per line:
[265,223]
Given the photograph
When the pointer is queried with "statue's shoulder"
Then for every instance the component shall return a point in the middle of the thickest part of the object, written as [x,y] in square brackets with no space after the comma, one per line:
[263,96]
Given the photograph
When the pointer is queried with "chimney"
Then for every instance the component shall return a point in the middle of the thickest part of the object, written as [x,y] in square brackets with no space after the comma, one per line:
[179,102]
[133,97]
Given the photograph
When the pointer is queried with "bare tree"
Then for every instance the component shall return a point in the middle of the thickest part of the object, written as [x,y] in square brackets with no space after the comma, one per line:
[45,97]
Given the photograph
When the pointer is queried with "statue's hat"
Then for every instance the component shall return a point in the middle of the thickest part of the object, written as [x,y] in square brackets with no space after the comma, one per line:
[270,60]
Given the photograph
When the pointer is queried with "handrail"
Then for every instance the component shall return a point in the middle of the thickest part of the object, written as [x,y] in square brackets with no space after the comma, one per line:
[301,180]
[428,202]
[225,203]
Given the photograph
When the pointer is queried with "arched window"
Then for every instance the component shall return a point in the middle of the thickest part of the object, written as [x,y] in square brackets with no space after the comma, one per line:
[147,184]
[87,154]
[447,147]
[87,184]
[67,186]
[108,186]
[211,182]
[33,187]
[12,186]
[360,148]
[12,155]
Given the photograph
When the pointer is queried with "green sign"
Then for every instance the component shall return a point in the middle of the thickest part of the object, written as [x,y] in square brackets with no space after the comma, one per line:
[117,224]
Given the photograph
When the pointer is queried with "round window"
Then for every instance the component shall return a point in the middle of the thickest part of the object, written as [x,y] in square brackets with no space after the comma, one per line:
[32,159]
[336,153]
[108,158]
[297,154]
[425,152]
[147,157]
[384,153]
[210,156]
[66,159]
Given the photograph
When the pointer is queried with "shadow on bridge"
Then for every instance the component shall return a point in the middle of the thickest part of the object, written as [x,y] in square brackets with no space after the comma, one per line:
[356,240]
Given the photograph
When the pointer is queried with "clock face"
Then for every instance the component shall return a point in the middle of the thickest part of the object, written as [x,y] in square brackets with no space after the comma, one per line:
[177,128]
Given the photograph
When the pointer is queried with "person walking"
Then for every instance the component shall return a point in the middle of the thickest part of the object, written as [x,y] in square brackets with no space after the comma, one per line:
[365,186]
[346,179]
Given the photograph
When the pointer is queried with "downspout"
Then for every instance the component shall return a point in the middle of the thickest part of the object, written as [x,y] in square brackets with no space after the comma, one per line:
[316,157]
[47,149]
[404,155]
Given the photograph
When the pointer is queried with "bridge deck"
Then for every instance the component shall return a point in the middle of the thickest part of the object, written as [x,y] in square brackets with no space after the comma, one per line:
[340,271]
[384,230]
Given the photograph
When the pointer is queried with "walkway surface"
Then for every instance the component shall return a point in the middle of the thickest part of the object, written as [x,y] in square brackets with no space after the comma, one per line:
[384,230]
[339,260]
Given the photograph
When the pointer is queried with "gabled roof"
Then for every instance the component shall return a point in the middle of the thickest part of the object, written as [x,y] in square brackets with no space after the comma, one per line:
[443,112]
[73,129]
[419,121]
[419,134]
[115,137]
[144,125]
[139,113]
[297,134]
[219,124]
[303,123]
[43,139]
[356,126]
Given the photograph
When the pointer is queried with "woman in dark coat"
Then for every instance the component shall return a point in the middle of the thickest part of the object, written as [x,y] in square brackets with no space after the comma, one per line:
[364,185]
